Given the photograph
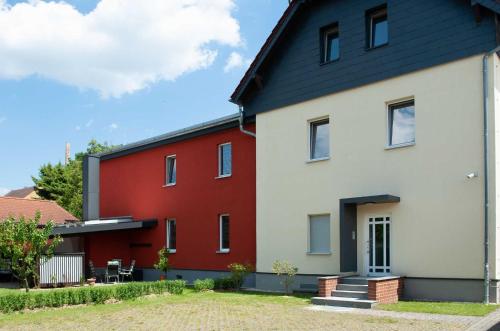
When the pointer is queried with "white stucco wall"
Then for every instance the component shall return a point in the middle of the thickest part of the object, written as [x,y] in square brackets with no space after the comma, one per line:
[437,228]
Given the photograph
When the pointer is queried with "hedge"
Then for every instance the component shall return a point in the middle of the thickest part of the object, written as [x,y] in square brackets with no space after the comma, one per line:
[86,295]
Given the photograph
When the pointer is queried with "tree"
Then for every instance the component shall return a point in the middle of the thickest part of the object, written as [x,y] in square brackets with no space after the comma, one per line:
[238,273]
[24,242]
[63,183]
[287,272]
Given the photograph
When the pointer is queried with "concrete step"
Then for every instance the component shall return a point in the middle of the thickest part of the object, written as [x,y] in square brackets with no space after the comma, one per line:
[351,287]
[343,302]
[353,281]
[350,294]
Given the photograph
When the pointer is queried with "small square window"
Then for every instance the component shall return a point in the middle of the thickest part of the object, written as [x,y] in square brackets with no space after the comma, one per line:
[171,170]
[377,27]
[224,233]
[225,160]
[330,43]
[319,234]
[319,139]
[401,123]
[171,236]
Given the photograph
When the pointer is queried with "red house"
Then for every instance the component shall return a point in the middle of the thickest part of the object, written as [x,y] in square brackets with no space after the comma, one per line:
[192,191]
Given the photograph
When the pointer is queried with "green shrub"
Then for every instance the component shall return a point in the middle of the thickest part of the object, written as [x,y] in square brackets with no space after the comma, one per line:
[86,295]
[204,284]
[238,273]
[100,295]
[175,286]
[225,283]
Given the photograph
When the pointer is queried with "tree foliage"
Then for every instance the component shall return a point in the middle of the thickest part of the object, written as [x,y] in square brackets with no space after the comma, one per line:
[63,183]
[23,242]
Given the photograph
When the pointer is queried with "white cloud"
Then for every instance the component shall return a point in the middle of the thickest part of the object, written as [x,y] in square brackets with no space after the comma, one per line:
[236,61]
[89,123]
[3,190]
[2,119]
[113,126]
[120,47]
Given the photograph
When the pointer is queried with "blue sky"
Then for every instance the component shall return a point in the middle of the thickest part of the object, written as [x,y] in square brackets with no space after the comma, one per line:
[48,96]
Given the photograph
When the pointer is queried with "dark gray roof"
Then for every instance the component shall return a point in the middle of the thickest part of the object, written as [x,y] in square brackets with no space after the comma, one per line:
[225,122]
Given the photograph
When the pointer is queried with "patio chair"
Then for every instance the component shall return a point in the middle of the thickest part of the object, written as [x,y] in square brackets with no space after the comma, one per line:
[128,272]
[113,271]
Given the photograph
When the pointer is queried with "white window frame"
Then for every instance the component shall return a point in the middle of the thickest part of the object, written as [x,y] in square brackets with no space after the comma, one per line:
[310,124]
[388,107]
[224,250]
[168,221]
[174,156]
[219,161]
[309,234]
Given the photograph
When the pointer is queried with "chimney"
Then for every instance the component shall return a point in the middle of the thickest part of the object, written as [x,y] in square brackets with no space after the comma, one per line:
[66,158]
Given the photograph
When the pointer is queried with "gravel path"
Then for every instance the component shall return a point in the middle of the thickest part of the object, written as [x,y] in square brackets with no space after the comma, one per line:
[462,320]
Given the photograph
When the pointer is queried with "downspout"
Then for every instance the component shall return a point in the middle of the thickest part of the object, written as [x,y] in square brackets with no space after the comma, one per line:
[486,91]
[242,129]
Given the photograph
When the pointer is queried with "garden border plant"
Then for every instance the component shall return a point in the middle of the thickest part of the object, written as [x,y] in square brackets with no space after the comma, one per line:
[87,295]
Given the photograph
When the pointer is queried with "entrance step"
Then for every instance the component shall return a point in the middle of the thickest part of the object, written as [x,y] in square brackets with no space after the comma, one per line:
[343,302]
[350,294]
[353,280]
[352,287]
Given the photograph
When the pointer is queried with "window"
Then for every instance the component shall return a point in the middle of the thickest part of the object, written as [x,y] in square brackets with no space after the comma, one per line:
[319,139]
[225,160]
[330,43]
[171,236]
[224,233]
[401,123]
[377,27]
[319,234]
[171,166]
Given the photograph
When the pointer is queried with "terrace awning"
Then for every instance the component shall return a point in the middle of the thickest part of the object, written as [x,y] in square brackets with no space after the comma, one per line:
[103,226]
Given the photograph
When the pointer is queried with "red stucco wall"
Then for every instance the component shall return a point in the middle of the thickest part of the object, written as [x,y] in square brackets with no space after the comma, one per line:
[132,185]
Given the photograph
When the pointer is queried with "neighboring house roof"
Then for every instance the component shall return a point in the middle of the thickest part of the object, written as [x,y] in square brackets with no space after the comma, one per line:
[49,210]
[292,9]
[226,122]
[25,192]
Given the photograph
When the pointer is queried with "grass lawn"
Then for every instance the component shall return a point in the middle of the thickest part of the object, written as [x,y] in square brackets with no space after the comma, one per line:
[447,308]
[208,311]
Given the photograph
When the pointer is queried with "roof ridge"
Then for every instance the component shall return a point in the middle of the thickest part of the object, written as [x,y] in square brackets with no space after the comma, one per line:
[26,199]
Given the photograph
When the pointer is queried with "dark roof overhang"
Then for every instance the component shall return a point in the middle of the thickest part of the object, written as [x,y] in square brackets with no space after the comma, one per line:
[372,199]
[492,5]
[83,228]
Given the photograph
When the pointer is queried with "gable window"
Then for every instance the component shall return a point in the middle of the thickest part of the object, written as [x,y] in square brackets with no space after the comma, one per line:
[224,233]
[377,27]
[171,236]
[171,170]
[319,234]
[401,124]
[330,43]
[225,160]
[319,139]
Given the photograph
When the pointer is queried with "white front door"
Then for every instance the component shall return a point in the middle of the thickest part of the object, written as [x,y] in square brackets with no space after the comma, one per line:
[379,245]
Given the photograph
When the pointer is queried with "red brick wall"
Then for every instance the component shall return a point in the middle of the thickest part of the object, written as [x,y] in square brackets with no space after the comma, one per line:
[385,291]
[326,285]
